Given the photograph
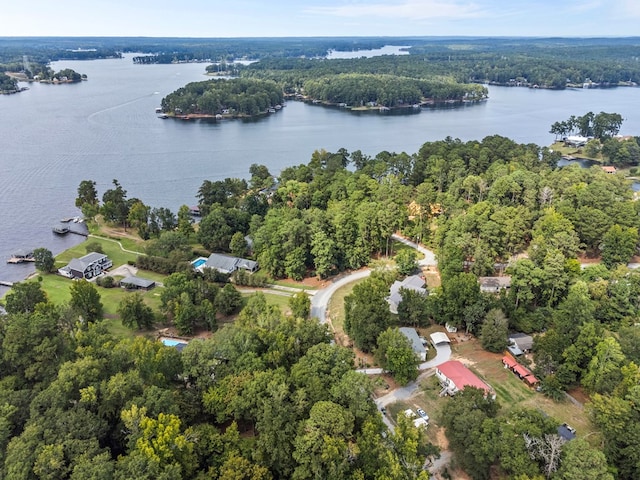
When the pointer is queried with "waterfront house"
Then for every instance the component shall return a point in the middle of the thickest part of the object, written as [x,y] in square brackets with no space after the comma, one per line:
[609,169]
[89,266]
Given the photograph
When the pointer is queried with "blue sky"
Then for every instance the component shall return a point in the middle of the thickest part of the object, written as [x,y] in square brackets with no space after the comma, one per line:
[284,18]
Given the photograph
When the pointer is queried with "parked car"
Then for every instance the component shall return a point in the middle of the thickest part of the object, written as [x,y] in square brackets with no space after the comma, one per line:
[423,414]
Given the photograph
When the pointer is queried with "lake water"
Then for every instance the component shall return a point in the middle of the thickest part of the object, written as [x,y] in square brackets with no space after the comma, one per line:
[54,136]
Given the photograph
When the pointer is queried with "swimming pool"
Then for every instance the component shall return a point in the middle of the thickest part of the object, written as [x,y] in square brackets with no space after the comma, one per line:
[170,342]
[198,262]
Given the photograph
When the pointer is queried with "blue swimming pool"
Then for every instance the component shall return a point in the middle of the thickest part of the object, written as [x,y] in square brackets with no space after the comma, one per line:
[198,262]
[177,344]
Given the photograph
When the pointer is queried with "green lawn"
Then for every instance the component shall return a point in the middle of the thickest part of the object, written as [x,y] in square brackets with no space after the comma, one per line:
[110,248]
[281,301]
[292,284]
[398,247]
[336,307]
[57,289]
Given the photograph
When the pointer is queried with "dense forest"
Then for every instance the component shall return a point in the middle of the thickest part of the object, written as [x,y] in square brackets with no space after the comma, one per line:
[490,207]
[236,97]
[7,84]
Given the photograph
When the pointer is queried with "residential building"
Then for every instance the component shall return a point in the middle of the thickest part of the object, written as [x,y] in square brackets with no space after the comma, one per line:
[416,342]
[520,343]
[228,264]
[413,282]
[89,266]
[455,376]
[494,284]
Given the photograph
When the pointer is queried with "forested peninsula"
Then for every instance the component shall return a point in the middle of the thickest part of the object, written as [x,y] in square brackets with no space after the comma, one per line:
[270,393]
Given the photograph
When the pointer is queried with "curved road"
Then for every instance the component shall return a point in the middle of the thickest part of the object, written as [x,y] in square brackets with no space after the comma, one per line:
[321,297]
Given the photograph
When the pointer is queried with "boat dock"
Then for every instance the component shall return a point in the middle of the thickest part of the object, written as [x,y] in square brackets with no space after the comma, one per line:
[15,260]
[21,256]
[71,225]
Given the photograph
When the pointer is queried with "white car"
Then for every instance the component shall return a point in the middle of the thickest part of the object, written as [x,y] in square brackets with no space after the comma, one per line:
[423,414]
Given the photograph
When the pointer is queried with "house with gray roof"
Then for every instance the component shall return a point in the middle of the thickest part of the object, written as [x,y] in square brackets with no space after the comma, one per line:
[228,264]
[494,284]
[89,266]
[137,283]
[520,343]
[416,343]
[413,282]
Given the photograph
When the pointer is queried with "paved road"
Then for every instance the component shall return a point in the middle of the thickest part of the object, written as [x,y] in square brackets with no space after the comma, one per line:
[429,257]
[443,353]
[321,298]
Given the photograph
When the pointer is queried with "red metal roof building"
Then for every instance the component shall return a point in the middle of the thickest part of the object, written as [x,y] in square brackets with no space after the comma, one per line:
[454,376]
[509,362]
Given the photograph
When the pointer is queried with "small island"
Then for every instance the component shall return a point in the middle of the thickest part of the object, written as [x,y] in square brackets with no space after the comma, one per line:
[234,98]
[9,80]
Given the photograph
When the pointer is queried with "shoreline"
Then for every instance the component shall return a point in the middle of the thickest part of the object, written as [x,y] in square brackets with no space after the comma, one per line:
[26,271]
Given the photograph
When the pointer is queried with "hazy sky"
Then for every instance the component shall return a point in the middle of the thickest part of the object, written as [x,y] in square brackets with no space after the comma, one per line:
[281,18]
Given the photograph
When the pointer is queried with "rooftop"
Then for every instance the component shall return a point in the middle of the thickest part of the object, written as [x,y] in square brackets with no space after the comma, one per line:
[461,376]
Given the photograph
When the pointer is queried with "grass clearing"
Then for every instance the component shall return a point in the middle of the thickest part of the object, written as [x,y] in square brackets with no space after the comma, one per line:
[110,248]
[397,247]
[294,284]
[281,301]
[335,309]
[511,392]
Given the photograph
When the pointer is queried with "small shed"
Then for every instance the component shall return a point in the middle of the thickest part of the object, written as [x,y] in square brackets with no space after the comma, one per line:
[521,370]
[137,283]
[438,338]
[566,432]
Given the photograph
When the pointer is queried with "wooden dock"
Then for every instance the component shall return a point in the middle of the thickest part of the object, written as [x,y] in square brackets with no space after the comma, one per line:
[15,260]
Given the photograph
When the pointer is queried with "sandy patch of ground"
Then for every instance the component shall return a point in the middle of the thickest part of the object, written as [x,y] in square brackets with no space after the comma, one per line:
[123,271]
